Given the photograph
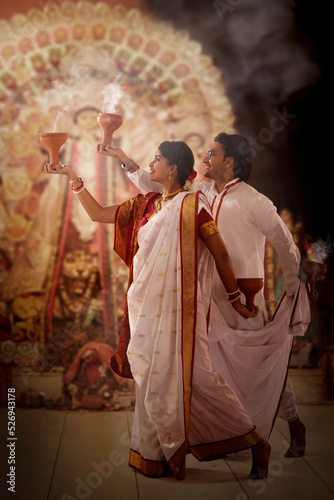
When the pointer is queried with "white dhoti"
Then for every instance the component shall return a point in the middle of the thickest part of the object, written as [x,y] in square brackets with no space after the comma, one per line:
[255,362]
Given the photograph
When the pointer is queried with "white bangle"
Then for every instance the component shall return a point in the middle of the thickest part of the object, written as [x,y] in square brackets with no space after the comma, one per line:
[77,192]
[234,298]
[232,293]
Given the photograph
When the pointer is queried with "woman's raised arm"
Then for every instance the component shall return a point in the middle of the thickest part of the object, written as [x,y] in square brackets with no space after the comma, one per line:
[96,212]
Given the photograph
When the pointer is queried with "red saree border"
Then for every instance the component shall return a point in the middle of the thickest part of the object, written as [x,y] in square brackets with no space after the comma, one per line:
[128,216]
[218,449]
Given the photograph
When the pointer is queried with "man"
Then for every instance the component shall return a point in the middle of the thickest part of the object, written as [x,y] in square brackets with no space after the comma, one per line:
[245,219]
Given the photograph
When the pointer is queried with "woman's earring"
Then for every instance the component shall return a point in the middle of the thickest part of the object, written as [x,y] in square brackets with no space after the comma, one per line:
[169,177]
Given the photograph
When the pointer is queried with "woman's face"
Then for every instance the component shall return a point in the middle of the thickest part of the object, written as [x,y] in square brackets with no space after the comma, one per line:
[159,168]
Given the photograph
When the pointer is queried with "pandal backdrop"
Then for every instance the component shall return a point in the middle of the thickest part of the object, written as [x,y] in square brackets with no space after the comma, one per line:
[62,286]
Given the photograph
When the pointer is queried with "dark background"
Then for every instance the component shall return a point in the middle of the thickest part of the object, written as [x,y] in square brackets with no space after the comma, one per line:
[273,55]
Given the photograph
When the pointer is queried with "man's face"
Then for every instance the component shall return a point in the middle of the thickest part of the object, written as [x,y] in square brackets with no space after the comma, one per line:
[214,161]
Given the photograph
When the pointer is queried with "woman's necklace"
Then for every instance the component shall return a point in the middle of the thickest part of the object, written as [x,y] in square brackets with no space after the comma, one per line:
[163,198]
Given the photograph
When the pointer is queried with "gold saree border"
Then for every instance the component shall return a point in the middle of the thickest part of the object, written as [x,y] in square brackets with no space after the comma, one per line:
[218,449]
[207,229]
[150,468]
[189,236]
[120,366]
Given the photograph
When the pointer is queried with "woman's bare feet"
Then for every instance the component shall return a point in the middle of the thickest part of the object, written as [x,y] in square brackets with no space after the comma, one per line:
[297,439]
[261,454]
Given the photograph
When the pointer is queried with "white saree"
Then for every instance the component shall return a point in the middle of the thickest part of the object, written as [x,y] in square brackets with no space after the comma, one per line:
[182,404]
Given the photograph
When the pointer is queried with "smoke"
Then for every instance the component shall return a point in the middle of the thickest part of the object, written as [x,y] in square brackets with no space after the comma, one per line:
[112,94]
[253,42]
[272,54]
[85,81]
[321,250]
[59,115]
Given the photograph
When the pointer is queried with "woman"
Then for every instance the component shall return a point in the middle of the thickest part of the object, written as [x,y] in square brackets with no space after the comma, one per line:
[169,242]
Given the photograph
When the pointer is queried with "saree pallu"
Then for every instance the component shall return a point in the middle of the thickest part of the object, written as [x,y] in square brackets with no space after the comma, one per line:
[181,403]
[128,216]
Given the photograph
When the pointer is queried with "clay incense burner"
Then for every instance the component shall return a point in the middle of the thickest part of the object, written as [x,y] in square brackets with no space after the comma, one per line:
[314,272]
[53,141]
[109,123]
[250,287]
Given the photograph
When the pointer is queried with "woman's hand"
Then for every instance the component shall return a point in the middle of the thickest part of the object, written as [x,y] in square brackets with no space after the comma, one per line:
[56,168]
[244,311]
[117,153]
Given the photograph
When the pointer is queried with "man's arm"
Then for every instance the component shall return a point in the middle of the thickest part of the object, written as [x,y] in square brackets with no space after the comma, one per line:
[266,218]
[141,179]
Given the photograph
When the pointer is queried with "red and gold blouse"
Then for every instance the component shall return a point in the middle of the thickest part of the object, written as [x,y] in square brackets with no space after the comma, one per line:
[206,223]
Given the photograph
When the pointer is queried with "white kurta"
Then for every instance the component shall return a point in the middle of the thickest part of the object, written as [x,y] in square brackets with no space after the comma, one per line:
[245,218]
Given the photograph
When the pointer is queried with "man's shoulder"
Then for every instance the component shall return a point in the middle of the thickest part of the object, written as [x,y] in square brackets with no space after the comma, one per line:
[250,192]
[203,186]
[252,202]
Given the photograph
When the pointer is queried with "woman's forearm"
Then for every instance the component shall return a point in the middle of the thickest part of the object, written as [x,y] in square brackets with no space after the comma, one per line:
[223,262]
[96,212]
[118,154]
[225,270]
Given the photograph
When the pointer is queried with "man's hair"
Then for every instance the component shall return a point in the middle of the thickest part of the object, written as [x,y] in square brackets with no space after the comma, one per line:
[238,147]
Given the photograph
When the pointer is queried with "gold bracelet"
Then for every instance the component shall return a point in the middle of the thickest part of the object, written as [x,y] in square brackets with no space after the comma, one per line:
[76,180]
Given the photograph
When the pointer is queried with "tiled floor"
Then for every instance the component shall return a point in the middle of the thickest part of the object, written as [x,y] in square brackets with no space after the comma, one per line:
[84,455]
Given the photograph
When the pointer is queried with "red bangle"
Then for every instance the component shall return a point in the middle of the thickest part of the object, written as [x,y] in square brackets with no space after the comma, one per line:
[77,188]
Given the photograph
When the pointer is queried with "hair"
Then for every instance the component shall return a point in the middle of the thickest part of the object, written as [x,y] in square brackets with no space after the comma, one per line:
[179,153]
[238,147]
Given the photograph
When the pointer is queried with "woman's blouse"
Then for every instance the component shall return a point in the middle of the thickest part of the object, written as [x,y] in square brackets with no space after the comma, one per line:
[206,224]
